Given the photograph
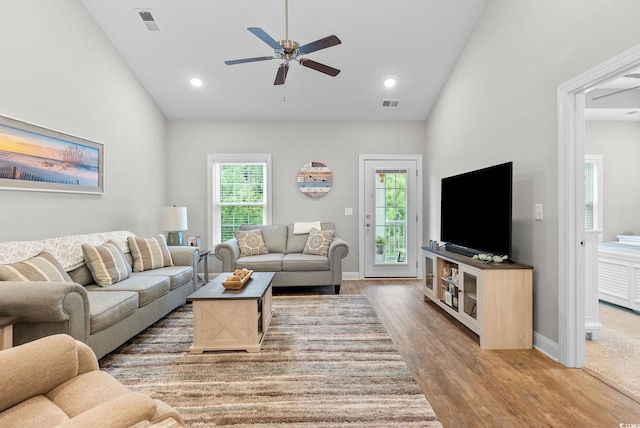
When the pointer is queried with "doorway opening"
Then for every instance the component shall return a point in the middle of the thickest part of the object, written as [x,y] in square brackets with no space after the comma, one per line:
[571,233]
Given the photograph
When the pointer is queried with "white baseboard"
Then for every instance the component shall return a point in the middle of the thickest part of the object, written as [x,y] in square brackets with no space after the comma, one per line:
[546,346]
[350,275]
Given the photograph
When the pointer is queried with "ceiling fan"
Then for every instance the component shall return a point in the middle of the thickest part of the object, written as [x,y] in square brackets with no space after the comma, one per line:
[290,50]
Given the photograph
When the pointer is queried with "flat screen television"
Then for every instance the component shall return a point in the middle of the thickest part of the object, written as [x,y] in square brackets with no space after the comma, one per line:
[476,211]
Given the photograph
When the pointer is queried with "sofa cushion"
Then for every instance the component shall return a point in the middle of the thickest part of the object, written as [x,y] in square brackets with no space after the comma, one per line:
[304,262]
[128,410]
[274,235]
[318,242]
[149,253]
[271,262]
[304,227]
[148,287]
[250,242]
[47,363]
[178,275]
[108,307]
[106,263]
[43,267]
[79,394]
[37,411]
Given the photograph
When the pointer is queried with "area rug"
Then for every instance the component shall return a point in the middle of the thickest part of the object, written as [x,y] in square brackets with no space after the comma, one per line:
[614,354]
[327,361]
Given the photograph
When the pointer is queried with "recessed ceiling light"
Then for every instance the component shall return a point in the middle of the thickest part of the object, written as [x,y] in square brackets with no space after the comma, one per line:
[390,82]
[196,82]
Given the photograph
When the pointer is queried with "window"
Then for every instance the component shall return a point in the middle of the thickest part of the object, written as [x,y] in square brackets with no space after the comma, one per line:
[593,192]
[240,193]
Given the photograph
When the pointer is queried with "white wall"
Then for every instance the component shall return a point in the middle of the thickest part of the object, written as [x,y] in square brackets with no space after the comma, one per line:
[292,144]
[59,72]
[619,145]
[500,104]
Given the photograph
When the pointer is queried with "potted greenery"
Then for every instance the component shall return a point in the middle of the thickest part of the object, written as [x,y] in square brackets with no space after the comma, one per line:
[379,245]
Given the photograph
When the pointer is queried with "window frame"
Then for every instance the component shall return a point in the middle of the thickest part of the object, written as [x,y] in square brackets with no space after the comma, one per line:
[213,228]
[598,190]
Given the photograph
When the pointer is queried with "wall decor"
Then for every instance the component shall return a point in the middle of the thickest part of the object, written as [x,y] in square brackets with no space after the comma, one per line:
[40,159]
[315,179]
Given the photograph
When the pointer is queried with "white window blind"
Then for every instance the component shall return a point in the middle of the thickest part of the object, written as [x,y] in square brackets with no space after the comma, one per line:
[240,194]
[593,192]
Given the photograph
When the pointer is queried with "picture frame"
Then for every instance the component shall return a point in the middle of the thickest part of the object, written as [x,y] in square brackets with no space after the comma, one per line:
[194,241]
[39,159]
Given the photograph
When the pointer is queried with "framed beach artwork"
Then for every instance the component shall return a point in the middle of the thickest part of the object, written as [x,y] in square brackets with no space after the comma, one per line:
[40,159]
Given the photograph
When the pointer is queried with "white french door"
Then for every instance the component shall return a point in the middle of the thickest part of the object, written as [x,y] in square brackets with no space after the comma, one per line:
[390,217]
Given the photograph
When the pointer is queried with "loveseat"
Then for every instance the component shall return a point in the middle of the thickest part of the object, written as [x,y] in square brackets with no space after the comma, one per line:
[288,251]
[134,287]
[56,382]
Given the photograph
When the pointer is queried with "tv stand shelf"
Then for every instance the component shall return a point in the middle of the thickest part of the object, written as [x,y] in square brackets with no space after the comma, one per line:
[492,300]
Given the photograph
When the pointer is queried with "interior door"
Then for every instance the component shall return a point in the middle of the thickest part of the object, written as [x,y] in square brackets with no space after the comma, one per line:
[390,218]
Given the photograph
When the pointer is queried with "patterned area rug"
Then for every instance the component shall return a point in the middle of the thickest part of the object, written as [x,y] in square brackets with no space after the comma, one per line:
[327,361]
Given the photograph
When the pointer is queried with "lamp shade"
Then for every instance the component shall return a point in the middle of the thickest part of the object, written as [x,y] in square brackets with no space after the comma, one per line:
[174,218]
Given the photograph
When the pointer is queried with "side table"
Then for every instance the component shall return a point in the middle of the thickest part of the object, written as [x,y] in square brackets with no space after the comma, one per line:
[6,331]
[204,255]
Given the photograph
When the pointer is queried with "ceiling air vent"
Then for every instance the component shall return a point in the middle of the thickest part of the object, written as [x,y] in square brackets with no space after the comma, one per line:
[390,103]
[148,20]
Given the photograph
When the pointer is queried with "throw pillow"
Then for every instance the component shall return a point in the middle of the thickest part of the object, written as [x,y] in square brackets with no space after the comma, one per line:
[149,253]
[43,267]
[318,242]
[301,227]
[106,262]
[250,242]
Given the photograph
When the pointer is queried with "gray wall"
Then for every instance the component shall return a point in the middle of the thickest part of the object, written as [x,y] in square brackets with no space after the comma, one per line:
[619,145]
[292,144]
[500,104]
[59,72]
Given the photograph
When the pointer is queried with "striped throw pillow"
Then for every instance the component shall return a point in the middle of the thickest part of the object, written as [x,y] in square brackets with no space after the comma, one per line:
[43,267]
[149,253]
[106,262]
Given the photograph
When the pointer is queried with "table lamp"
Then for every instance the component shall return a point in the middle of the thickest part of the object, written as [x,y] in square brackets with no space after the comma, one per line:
[174,221]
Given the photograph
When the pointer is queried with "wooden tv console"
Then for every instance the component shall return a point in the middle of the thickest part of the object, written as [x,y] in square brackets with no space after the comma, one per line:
[492,300]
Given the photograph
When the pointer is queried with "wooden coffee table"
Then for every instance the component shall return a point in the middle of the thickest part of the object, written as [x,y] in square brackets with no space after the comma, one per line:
[228,320]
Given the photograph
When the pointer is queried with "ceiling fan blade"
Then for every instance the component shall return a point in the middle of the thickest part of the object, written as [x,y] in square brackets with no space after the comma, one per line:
[333,72]
[281,76]
[614,93]
[634,75]
[327,42]
[262,35]
[242,61]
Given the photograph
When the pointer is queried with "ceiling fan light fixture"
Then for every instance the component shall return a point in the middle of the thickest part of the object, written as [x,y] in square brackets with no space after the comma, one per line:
[196,82]
[390,82]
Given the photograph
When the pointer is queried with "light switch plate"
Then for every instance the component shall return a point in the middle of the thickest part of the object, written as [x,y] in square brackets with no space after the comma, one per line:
[348,211]
[538,212]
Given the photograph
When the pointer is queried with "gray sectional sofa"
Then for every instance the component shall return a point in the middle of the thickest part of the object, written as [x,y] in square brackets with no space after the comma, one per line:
[285,257]
[103,317]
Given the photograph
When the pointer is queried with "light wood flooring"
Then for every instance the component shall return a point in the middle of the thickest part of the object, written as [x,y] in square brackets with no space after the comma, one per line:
[470,387]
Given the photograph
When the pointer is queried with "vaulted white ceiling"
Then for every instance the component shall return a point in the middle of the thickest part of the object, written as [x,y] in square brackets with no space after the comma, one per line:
[415,41]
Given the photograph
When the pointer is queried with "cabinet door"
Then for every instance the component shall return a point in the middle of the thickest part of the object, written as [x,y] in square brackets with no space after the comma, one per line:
[469,297]
[429,275]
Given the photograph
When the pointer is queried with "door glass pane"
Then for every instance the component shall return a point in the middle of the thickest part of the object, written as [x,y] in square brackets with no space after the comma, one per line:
[391,216]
